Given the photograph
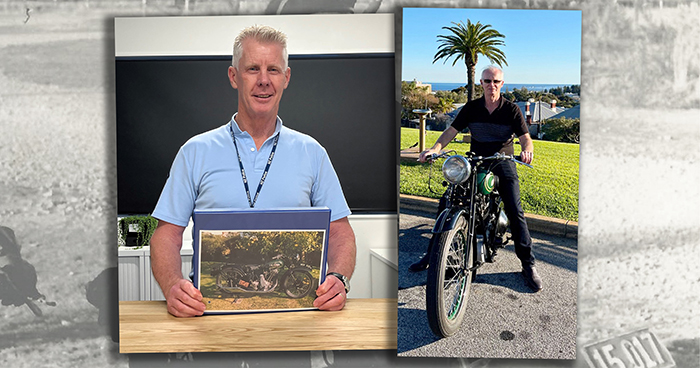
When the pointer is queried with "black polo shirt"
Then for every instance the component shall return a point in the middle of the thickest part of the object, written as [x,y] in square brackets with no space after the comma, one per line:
[493,132]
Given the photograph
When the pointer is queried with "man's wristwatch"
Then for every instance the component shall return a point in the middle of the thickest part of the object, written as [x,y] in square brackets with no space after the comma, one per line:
[343,279]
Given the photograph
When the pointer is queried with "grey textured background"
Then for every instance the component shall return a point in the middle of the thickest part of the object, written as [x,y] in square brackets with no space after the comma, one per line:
[639,171]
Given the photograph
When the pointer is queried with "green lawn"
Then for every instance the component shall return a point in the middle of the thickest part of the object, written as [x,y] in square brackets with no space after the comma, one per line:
[550,189]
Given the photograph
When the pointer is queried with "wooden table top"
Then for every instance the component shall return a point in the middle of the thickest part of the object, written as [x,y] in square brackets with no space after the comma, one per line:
[364,324]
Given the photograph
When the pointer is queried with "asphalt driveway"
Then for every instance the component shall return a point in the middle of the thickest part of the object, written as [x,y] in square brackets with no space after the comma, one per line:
[505,319]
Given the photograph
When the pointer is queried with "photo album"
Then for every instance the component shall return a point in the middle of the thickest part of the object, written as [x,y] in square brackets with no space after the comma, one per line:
[260,260]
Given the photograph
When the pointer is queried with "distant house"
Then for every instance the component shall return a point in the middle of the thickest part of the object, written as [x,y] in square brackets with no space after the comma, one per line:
[537,112]
[426,86]
[572,113]
[573,96]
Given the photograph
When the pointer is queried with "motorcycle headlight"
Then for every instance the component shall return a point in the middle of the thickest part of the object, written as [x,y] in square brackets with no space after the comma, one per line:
[456,169]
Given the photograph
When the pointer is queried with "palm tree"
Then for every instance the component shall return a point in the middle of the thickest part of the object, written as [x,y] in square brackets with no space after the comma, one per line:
[467,42]
[444,105]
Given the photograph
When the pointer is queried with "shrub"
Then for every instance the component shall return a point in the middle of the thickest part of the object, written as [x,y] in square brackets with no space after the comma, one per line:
[562,130]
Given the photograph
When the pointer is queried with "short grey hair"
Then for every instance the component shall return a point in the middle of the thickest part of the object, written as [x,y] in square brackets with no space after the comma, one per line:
[492,68]
[262,34]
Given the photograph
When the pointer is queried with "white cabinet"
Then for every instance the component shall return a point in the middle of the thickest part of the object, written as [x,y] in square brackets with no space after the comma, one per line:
[131,274]
[375,232]
[384,272]
[136,281]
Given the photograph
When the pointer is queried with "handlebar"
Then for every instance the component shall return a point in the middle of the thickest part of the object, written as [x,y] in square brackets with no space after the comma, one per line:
[501,157]
[470,155]
[436,156]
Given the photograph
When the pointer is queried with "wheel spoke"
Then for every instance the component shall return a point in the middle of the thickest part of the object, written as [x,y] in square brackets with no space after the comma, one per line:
[448,284]
[455,272]
[298,284]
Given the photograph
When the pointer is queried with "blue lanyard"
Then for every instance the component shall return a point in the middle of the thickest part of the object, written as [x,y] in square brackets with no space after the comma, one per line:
[267,168]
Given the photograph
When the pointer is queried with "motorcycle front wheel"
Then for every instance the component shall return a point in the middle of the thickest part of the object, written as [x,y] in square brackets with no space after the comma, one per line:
[297,283]
[449,280]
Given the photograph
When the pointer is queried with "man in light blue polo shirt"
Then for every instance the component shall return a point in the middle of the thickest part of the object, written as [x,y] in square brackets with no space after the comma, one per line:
[282,168]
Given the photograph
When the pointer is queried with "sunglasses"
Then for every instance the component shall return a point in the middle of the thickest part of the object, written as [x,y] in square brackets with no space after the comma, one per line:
[495,81]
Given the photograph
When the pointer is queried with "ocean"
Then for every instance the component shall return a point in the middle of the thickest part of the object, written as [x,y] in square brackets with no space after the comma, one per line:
[506,87]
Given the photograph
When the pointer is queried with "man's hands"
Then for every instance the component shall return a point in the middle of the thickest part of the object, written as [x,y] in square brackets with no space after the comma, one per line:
[331,294]
[445,138]
[341,259]
[426,154]
[527,148]
[184,300]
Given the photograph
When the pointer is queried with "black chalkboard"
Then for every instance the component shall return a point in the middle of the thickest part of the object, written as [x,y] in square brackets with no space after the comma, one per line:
[346,102]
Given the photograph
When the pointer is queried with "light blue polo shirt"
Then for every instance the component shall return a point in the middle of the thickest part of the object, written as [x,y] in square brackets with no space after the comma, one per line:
[206,175]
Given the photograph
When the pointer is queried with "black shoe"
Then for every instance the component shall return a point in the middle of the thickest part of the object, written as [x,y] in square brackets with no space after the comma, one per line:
[532,279]
[421,265]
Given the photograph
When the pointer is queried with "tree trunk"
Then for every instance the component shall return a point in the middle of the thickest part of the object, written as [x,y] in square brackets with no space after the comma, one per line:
[470,83]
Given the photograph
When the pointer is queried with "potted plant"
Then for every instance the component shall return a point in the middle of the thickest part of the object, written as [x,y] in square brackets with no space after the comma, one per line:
[136,231]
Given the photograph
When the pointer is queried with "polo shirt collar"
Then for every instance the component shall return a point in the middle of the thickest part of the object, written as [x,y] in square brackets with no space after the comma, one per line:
[237,129]
[500,101]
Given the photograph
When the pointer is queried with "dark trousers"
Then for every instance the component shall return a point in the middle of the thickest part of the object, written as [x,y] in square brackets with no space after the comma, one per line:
[509,189]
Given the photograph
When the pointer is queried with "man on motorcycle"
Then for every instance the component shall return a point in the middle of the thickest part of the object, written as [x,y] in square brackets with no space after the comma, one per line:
[492,121]
[213,170]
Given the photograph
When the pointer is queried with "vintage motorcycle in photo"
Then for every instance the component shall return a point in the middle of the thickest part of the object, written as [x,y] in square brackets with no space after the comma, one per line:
[297,282]
[467,234]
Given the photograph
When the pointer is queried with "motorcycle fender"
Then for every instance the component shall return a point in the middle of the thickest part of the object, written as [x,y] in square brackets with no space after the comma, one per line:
[229,268]
[447,219]
[307,267]
[302,266]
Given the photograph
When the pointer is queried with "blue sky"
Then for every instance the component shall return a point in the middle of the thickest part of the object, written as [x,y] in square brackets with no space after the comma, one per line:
[541,46]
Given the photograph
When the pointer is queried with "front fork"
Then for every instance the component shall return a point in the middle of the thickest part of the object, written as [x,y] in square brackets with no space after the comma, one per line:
[448,218]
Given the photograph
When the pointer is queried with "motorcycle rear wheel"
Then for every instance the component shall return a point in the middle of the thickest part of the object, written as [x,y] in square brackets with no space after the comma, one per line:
[298,283]
[449,280]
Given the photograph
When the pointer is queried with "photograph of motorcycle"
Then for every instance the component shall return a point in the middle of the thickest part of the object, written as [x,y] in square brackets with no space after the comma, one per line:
[296,282]
[466,235]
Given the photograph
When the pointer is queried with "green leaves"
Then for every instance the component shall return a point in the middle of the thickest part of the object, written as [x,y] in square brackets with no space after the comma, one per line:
[562,130]
[254,246]
[468,41]
[144,226]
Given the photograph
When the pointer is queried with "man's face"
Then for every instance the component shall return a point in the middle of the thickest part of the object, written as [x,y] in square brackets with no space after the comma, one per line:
[260,79]
[492,81]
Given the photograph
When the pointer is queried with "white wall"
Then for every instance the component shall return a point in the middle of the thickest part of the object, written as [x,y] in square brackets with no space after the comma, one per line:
[307,34]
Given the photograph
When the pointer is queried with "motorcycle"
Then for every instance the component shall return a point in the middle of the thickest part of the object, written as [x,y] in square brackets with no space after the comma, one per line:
[296,282]
[466,235]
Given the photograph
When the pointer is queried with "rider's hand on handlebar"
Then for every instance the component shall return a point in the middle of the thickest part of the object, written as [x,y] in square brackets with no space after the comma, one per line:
[527,157]
[425,155]
[184,300]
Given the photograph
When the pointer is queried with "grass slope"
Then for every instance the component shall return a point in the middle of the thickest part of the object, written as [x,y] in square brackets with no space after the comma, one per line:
[550,189]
